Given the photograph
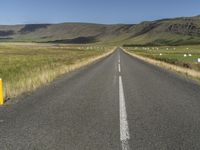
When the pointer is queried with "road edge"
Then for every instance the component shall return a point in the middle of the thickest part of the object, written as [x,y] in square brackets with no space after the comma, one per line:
[189,73]
[66,70]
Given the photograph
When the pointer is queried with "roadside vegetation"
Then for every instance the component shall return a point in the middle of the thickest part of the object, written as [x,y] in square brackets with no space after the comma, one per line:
[184,56]
[181,59]
[26,66]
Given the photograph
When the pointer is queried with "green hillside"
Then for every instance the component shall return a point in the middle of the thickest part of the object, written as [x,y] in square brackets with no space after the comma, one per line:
[177,31]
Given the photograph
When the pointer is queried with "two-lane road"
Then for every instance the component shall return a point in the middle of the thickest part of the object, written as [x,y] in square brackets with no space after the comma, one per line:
[117,103]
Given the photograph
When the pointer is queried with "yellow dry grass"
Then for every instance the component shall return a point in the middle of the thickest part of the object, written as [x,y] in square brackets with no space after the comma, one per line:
[43,71]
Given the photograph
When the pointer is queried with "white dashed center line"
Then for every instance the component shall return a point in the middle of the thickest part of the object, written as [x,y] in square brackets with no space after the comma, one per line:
[124,129]
[119,67]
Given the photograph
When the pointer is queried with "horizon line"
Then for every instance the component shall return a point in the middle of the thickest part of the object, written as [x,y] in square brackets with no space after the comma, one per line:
[79,22]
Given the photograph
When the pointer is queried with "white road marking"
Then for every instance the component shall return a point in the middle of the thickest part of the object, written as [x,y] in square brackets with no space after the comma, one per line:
[118,58]
[119,67]
[124,130]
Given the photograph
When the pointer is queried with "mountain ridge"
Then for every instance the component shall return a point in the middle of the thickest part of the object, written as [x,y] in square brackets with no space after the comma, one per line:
[169,31]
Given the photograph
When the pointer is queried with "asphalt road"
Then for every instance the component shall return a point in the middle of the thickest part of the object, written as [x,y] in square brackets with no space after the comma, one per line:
[117,103]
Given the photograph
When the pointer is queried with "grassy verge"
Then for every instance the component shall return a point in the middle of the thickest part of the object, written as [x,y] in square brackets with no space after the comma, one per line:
[26,66]
[172,58]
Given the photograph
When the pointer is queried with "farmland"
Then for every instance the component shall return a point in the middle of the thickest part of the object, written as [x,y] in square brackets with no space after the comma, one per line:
[26,66]
[184,56]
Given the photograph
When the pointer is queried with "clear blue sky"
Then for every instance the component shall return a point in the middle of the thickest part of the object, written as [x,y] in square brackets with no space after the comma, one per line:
[96,11]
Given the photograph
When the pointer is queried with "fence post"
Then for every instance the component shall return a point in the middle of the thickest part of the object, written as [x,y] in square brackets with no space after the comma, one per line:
[1,92]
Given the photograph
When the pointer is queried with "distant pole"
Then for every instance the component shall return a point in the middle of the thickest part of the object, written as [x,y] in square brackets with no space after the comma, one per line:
[1,92]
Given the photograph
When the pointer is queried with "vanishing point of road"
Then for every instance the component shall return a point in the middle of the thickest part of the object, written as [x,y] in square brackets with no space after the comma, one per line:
[116,103]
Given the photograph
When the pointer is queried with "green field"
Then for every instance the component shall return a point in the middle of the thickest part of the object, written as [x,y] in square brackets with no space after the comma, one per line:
[26,66]
[171,54]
